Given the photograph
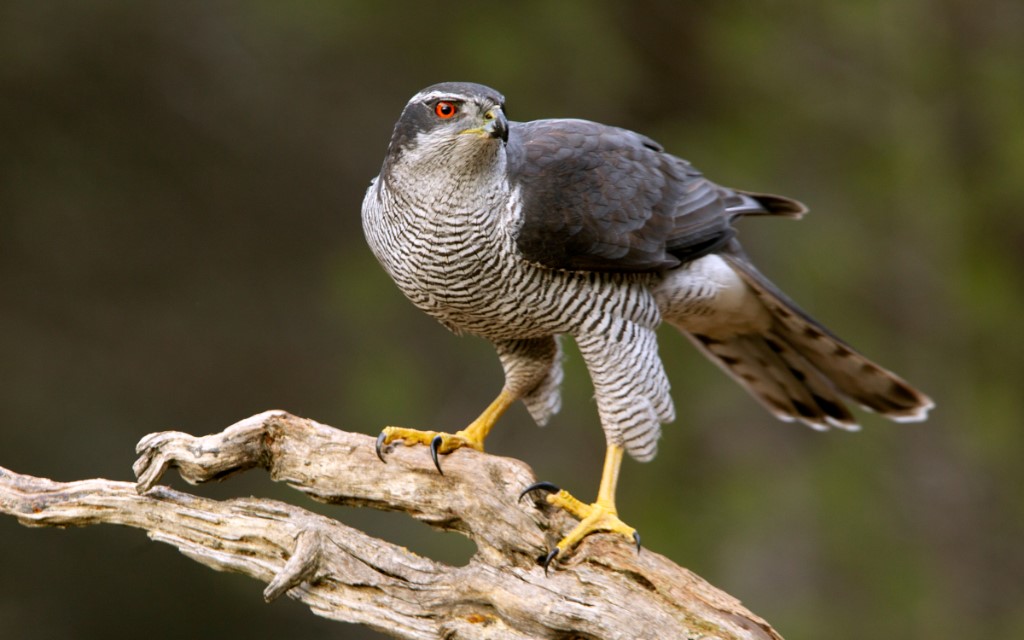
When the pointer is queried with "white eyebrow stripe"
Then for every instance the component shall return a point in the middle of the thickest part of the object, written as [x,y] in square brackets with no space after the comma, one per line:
[433,95]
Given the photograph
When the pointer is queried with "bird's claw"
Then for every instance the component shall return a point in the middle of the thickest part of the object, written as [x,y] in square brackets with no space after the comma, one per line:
[439,443]
[593,517]
[539,486]
[546,559]
[435,444]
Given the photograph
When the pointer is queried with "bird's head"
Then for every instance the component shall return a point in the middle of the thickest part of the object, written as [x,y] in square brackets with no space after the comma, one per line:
[454,125]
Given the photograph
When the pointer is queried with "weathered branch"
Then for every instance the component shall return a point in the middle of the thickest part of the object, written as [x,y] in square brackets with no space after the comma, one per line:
[604,590]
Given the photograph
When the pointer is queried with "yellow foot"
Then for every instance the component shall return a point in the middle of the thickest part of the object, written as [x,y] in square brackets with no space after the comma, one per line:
[439,442]
[472,436]
[594,517]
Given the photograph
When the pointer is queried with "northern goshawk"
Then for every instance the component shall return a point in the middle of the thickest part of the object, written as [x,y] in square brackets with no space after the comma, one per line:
[524,232]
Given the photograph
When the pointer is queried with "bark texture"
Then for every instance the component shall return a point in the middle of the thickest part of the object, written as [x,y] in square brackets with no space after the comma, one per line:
[604,590]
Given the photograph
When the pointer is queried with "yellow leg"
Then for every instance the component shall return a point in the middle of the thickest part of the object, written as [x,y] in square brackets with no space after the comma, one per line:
[599,516]
[472,436]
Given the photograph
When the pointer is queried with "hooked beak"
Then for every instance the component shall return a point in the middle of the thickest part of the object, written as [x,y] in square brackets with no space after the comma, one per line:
[495,125]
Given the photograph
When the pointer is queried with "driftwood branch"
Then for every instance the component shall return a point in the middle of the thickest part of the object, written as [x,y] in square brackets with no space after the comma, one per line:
[604,590]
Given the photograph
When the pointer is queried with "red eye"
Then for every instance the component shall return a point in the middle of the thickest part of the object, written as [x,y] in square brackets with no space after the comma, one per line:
[445,110]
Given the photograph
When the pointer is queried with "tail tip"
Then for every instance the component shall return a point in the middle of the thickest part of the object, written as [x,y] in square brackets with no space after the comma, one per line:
[913,405]
[916,414]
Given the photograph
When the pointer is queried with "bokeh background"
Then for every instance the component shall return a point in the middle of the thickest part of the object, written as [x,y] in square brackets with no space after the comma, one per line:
[180,248]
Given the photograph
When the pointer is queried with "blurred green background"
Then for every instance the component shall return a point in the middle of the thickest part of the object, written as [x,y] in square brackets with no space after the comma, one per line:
[180,248]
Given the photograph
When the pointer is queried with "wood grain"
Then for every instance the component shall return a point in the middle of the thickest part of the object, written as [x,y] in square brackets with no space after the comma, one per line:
[605,590]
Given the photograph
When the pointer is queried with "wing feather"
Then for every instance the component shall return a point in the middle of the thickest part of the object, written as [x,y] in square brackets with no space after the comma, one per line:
[606,199]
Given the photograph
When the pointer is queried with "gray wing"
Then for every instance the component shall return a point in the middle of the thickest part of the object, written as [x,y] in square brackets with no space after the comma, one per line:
[601,198]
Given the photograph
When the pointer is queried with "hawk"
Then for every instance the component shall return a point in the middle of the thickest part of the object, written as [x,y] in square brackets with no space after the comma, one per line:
[523,232]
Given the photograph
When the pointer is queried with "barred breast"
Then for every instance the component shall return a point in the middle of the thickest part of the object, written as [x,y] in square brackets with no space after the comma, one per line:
[462,267]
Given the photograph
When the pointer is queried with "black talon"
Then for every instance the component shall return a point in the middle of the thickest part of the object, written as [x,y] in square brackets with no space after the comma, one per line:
[545,560]
[435,444]
[546,486]
[636,537]
[380,444]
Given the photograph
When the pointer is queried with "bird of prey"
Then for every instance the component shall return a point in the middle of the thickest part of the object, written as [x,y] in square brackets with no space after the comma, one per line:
[523,232]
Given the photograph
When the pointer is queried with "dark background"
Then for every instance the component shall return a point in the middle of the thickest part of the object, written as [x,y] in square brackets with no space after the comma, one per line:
[180,247]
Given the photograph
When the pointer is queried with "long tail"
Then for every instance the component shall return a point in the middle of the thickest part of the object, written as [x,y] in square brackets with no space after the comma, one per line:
[800,371]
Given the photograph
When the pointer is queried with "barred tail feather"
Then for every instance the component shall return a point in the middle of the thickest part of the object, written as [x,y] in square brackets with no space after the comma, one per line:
[778,377]
[800,370]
